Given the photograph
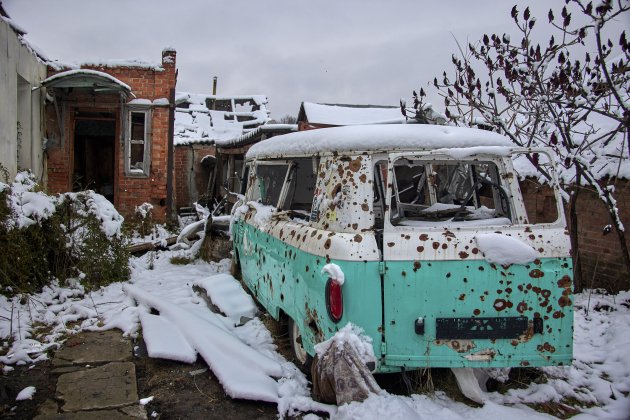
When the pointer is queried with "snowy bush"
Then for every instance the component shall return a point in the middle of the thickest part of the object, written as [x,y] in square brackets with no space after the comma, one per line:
[45,237]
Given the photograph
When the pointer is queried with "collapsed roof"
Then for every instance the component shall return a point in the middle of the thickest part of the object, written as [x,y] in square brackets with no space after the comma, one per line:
[201,118]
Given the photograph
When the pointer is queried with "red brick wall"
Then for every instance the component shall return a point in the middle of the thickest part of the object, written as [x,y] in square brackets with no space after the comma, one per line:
[601,259]
[602,263]
[191,179]
[145,83]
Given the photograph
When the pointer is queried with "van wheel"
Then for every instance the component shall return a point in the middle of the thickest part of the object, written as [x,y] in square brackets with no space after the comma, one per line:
[302,359]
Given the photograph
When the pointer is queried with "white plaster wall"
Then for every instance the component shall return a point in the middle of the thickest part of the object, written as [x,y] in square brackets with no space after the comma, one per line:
[18,63]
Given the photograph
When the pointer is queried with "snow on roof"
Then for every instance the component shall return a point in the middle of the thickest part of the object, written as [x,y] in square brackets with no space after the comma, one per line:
[376,137]
[217,119]
[85,72]
[20,33]
[249,137]
[107,63]
[351,114]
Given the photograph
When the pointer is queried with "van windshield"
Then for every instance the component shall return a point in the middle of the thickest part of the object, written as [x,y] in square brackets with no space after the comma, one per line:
[435,193]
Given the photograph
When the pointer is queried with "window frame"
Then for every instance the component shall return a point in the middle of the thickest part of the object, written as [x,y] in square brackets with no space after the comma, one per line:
[431,158]
[144,172]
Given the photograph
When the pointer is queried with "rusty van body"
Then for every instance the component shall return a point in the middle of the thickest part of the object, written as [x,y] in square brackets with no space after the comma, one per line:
[399,210]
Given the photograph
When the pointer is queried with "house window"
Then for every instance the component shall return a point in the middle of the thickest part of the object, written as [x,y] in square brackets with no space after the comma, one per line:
[138,143]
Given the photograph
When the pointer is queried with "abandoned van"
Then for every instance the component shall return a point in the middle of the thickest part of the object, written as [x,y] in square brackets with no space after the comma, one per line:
[419,235]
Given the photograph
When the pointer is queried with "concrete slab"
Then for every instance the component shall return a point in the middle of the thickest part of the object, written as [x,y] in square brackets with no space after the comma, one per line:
[94,347]
[105,387]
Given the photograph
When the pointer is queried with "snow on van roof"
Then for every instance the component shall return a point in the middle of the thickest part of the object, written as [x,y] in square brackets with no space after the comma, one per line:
[375,137]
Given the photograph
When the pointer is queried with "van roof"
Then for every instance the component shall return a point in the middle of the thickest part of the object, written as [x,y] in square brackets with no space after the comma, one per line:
[362,138]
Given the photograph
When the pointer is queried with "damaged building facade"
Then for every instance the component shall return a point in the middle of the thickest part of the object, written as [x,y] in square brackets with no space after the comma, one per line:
[212,134]
[22,68]
[107,129]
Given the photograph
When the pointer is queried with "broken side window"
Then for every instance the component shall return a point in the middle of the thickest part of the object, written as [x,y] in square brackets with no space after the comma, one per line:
[427,193]
[138,142]
[270,177]
[301,187]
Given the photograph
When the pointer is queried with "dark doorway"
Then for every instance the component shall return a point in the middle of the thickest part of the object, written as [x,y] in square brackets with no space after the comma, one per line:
[94,147]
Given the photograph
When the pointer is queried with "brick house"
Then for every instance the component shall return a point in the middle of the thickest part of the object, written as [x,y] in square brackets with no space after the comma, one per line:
[109,128]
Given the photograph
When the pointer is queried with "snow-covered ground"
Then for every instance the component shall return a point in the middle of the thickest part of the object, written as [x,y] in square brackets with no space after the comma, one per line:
[246,361]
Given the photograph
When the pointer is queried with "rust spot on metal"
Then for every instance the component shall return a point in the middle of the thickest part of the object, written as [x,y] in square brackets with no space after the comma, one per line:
[424,237]
[558,314]
[358,238]
[565,282]
[327,243]
[363,178]
[462,296]
[390,244]
[307,268]
[532,236]
[546,347]
[463,255]
[416,265]
[476,312]
[355,226]
[475,251]
[365,207]
[564,301]
[460,346]
[521,307]
[545,293]
[444,246]
[524,363]
[500,304]
[536,273]
[436,245]
[420,248]
[355,165]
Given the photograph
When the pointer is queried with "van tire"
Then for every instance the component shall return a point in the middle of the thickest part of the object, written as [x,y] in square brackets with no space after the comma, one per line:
[302,359]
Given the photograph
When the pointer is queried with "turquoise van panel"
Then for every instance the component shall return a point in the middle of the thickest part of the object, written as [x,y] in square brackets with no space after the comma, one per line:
[453,293]
[286,279]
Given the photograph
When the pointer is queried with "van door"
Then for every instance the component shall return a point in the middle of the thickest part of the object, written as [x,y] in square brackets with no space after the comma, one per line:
[444,304]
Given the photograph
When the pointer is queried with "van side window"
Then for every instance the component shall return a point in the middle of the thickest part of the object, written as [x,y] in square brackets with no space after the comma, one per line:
[426,193]
[270,180]
[539,197]
[300,187]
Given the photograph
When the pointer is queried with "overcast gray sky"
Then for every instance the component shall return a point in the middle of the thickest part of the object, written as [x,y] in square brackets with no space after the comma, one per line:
[333,51]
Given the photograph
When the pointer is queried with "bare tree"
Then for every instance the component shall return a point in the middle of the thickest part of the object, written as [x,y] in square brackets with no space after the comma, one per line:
[571,95]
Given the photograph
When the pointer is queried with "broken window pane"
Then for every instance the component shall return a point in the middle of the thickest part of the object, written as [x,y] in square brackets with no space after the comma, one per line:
[137,141]
[301,187]
[137,156]
[433,192]
[137,126]
[270,181]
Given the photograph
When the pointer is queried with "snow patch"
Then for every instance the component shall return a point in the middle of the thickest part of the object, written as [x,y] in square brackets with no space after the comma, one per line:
[505,250]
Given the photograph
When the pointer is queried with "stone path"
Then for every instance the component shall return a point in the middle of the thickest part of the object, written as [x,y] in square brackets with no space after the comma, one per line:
[97,379]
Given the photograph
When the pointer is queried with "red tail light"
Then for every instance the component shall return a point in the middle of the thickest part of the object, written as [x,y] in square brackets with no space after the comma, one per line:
[334,300]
